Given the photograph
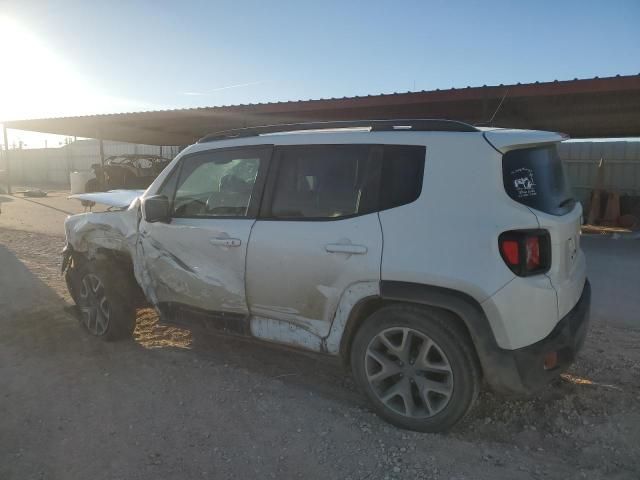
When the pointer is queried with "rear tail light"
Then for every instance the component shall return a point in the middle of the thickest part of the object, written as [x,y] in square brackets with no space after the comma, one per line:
[511,252]
[526,252]
[532,245]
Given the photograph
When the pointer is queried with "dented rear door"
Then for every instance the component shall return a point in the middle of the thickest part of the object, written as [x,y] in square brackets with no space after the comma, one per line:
[318,234]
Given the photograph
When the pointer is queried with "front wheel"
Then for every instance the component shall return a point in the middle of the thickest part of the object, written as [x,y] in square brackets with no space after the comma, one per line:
[417,366]
[105,310]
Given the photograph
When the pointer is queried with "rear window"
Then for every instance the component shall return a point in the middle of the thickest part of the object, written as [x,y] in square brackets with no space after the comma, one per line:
[402,172]
[535,177]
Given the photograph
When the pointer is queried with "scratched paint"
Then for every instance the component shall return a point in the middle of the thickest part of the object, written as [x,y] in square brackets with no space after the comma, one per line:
[355,293]
[283,332]
[112,198]
[185,262]
[112,230]
[187,274]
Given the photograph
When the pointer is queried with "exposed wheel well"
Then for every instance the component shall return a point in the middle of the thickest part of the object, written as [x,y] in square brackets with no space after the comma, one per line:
[121,264]
[365,308]
[359,313]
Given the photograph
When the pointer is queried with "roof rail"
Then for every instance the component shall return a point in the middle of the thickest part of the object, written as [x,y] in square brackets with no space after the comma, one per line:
[415,125]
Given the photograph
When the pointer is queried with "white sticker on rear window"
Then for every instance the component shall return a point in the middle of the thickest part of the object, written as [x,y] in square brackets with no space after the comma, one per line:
[523,182]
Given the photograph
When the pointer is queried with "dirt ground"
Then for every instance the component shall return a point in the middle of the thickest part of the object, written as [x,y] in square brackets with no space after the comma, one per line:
[173,403]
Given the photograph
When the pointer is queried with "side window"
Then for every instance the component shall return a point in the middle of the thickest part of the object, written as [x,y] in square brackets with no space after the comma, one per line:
[402,175]
[217,183]
[326,182]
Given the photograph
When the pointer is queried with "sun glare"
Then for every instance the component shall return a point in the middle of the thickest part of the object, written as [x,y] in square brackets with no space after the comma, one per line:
[40,82]
[37,82]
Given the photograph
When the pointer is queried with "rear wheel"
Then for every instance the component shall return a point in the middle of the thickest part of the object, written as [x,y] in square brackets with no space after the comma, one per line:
[417,366]
[106,310]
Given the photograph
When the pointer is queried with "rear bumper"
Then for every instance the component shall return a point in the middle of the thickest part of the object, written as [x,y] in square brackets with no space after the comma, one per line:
[522,371]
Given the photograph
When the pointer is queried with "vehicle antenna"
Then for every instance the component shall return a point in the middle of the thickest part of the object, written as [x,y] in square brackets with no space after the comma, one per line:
[506,92]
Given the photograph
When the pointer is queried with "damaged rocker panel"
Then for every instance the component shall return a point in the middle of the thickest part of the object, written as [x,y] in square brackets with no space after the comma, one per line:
[187,316]
[89,233]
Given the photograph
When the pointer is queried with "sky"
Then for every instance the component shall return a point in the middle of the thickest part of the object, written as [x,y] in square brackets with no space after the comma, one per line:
[60,58]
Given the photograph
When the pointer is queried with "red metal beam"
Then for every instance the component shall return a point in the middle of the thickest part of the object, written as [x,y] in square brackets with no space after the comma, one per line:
[582,108]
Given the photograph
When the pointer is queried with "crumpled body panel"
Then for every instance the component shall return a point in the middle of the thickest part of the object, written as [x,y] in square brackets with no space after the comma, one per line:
[88,233]
[112,198]
[188,262]
[185,276]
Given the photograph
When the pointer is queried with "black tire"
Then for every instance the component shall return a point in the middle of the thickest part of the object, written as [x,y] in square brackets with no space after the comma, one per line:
[111,320]
[451,347]
[92,185]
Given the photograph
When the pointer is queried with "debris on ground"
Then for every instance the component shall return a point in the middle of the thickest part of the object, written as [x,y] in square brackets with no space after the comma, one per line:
[179,404]
[36,193]
[603,230]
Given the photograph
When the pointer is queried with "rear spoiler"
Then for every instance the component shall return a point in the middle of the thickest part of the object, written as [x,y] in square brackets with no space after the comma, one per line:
[504,140]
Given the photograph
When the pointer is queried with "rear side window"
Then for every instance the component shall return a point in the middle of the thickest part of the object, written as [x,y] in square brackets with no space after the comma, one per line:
[535,177]
[326,182]
[402,175]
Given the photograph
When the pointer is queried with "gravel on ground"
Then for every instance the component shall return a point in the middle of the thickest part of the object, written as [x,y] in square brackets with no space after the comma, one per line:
[178,403]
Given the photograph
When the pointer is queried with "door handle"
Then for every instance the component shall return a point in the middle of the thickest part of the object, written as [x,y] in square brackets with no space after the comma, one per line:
[346,248]
[225,242]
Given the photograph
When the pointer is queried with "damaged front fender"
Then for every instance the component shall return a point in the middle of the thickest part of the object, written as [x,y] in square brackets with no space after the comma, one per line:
[90,233]
[67,253]
[116,230]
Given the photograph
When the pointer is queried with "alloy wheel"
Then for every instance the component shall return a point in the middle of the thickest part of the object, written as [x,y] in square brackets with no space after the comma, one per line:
[408,372]
[94,305]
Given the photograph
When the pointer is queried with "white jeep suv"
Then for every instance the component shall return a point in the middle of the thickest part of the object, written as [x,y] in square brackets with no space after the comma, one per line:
[427,254]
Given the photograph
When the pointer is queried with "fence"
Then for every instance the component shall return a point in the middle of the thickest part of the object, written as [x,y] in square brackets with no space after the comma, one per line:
[51,166]
[620,161]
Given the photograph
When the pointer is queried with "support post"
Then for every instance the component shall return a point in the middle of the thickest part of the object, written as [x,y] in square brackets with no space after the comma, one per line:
[6,156]
[69,158]
[104,177]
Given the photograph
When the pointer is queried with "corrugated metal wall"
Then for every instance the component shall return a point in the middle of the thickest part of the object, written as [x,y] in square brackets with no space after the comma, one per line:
[51,166]
[620,160]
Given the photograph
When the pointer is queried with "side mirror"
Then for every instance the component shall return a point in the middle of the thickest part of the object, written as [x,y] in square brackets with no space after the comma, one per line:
[155,209]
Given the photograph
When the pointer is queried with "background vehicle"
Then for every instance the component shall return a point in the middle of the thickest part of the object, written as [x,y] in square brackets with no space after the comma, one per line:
[425,253]
[126,172]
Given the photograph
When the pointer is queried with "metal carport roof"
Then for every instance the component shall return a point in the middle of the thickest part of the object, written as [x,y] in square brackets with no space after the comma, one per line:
[598,107]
